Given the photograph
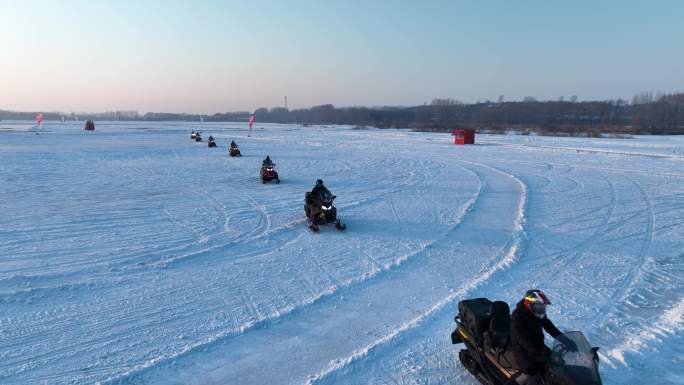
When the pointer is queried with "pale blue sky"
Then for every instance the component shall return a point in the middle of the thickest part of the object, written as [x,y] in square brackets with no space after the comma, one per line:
[211,56]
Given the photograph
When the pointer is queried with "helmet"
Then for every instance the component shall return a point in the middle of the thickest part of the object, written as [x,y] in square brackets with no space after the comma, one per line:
[319,182]
[535,301]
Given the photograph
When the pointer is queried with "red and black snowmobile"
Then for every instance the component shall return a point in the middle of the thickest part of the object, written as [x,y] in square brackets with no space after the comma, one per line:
[269,173]
[234,151]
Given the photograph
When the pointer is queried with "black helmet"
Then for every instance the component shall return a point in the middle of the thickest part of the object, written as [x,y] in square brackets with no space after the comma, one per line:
[319,182]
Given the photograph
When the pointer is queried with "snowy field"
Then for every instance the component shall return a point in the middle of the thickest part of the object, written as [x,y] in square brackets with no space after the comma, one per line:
[133,255]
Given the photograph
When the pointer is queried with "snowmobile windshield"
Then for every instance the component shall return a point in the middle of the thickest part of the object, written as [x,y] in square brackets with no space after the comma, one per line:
[576,367]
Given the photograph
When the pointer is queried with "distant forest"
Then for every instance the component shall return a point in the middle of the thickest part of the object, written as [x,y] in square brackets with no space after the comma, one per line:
[645,114]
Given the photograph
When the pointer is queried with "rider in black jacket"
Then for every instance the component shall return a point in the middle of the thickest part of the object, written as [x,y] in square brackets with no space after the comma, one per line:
[527,336]
[318,189]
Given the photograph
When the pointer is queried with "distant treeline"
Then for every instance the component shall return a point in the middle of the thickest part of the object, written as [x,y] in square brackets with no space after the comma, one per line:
[663,114]
[646,114]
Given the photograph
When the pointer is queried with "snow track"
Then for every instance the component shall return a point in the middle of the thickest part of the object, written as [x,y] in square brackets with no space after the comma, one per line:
[137,256]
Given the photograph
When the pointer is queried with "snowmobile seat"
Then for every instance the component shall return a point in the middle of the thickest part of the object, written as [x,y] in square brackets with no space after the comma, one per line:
[474,316]
[497,337]
[499,330]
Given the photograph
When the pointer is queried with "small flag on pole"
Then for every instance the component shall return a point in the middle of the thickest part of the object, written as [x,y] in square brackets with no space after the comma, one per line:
[251,124]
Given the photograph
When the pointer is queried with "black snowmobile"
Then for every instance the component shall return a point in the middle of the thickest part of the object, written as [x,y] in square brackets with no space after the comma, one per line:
[198,137]
[193,134]
[484,327]
[234,151]
[211,142]
[323,205]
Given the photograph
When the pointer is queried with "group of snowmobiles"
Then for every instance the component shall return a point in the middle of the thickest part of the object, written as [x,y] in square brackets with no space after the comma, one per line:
[197,137]
[318,203]
[494,353]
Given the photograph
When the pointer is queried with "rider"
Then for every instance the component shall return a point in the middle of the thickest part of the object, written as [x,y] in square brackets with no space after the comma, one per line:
[319,188]
[267,162]
[314,200]
[233,144]
[211,138]
[527,338]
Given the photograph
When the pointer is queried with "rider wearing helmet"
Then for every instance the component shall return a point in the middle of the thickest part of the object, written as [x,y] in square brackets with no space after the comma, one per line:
[314,201]
[267,162]
[233,144]
[527,338]
[318,189]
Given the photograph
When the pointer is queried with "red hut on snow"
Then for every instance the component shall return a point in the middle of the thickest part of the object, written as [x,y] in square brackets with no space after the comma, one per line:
[464,136]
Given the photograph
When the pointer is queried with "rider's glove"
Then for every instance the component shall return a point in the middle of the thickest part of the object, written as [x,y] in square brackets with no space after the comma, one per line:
[567,343]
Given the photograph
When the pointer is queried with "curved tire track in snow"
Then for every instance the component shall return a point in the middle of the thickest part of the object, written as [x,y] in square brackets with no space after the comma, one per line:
[505,258]
[232,359]
[284,315]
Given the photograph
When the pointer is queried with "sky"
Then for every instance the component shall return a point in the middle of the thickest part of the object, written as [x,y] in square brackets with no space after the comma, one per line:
[218,56]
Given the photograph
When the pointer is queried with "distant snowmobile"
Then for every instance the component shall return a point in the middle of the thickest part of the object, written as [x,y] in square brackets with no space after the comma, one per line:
[319,209]
[198,137]
[269,173]
[193,134]
[211,142]
[234,150]
[89,125]
[484,327]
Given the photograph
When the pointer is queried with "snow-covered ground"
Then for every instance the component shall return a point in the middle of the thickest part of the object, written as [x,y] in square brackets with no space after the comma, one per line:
[133,255]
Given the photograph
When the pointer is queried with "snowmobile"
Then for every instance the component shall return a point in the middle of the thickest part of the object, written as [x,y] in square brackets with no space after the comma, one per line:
[211,142]
[268,173]
[198,137]
[323,204]
[234,151]
[484,327]
[193,135]
[89,125]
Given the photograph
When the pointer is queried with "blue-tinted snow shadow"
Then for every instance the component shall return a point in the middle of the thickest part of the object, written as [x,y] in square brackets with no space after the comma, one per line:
[392,229]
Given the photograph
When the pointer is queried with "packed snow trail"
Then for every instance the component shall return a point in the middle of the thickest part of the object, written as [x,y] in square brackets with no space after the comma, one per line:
[331,330]
[620,282]
[133,255]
